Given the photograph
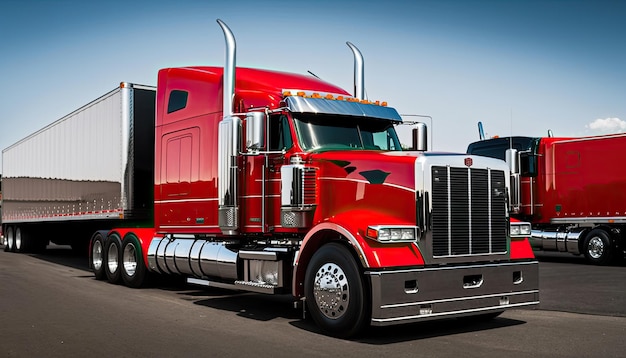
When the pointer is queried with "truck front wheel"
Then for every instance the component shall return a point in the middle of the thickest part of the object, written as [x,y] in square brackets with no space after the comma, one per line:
[598,248]
[335,293]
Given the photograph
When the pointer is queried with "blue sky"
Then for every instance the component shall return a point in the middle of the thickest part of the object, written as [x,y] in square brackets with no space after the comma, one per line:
[520,67]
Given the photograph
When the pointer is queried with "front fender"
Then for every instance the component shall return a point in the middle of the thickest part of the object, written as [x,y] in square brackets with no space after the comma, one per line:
[350,228]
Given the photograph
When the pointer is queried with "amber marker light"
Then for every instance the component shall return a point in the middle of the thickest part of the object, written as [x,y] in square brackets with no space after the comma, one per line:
[372,233]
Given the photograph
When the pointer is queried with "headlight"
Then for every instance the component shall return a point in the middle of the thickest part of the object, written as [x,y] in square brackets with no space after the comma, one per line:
[520,229]
[392,234]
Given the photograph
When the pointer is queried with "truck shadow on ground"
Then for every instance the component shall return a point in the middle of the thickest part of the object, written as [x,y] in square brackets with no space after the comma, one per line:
[64,255]
[261,307]
[417,331]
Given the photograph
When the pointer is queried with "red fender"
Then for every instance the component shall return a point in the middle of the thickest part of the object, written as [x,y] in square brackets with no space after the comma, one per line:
[351,227]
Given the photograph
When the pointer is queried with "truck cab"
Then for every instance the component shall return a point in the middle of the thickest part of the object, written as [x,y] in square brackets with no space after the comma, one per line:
[569,189]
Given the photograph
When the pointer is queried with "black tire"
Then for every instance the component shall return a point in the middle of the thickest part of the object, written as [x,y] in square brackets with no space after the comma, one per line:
[598,248]
[112,258]
[344,313]
[132,264]
[96,256]
[20,240]
[10,240]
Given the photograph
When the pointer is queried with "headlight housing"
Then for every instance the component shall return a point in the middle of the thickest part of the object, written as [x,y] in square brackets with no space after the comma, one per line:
[392,234]
[520,229]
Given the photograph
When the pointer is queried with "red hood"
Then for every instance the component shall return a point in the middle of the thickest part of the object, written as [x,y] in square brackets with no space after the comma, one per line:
[373,167]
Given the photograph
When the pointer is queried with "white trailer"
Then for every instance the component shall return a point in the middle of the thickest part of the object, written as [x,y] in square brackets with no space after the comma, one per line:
[92,168]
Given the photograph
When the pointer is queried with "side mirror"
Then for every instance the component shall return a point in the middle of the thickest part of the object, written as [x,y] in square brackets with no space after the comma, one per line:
[512,160]
[420,137]
[255,128]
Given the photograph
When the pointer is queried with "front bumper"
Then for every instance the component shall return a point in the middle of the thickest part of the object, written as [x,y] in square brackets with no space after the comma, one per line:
[412,295]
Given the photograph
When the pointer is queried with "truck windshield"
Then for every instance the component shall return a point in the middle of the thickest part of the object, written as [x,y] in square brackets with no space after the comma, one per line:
[329,132]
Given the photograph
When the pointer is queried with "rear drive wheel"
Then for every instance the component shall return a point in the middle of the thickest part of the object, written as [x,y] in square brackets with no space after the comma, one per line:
[96,256]
[112,257]
[598,247]
[335,293]
[133,267]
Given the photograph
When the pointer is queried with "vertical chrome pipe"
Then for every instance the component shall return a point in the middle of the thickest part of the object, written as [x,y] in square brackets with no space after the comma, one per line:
[228,138]
[359,72]
[229,68]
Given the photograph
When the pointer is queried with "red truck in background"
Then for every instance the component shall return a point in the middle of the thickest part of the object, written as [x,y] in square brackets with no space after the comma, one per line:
[275,183]
[572,190]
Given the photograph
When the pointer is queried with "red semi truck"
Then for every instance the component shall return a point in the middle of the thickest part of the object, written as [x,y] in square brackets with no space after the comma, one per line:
[571,189]
[275,183]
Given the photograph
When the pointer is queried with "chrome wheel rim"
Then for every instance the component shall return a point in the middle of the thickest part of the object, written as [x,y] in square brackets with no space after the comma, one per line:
[331,291]
[96,255]
[112,258]
[595,248]
[10,239]
[18,239]
[129,260]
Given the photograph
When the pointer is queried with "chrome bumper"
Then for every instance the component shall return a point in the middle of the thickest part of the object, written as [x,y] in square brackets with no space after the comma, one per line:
[412,295]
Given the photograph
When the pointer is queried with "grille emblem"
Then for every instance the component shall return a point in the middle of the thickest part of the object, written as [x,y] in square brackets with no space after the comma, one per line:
[469,162]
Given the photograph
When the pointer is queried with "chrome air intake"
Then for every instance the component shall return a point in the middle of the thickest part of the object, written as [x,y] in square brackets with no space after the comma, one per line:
[298,195]
[228,138]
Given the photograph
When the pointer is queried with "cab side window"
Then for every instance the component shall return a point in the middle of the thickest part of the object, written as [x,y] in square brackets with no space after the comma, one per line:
[279,134]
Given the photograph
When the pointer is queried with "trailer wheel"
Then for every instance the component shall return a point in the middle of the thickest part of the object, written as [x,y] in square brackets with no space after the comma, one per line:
[96,256]
[133,267]
[598,248]
[335,293]
[112,257]
[10,240]
[19,240]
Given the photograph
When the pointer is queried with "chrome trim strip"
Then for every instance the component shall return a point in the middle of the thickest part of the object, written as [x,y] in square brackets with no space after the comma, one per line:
[460,299]
[444,268]
[184,200]
[451,313]
[190,227]
[259,196]
[590,219]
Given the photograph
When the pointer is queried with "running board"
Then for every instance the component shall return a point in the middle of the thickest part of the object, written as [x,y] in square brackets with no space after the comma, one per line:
[258,287]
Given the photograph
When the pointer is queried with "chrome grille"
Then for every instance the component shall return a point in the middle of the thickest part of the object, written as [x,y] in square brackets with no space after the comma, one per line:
[468,211]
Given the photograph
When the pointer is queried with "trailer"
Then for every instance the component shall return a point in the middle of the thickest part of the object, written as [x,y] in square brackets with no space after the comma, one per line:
[90,170]
[572,190]
[281,183]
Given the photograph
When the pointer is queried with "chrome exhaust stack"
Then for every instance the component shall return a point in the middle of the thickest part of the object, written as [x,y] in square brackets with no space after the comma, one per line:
[228,138]
[359,72]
